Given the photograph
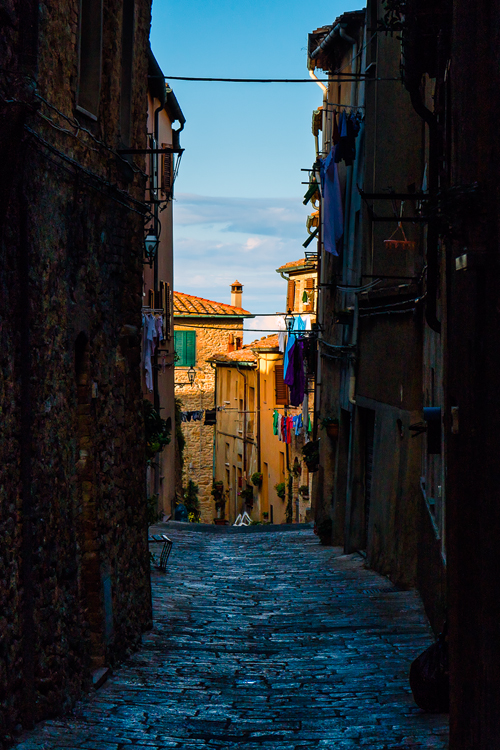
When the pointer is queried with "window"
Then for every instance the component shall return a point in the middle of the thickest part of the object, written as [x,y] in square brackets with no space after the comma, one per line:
[166,170]
[281,388]
[290,302]
[309,289]
[90,52]
[185,348]
[166,304]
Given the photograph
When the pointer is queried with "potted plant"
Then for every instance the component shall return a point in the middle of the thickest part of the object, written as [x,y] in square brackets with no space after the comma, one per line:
[280,490]
[310,451]
[331,426]
[219,497]
[256,479]
[246,495]
[304,490]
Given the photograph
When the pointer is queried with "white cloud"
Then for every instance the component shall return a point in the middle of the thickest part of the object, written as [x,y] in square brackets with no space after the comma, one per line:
[218,240]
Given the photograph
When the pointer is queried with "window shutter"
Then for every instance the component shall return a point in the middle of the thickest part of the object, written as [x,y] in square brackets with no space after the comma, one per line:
[280,386]
[179,347]
[290,302]
[190,348]
[309,287]
[166,170]
[185,348]
[167,311]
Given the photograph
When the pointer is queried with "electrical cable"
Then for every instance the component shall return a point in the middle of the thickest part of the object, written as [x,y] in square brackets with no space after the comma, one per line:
[351,77]
[145,213]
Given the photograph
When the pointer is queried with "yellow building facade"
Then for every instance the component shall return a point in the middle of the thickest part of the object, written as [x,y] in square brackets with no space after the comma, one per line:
[201,328]
[251,398]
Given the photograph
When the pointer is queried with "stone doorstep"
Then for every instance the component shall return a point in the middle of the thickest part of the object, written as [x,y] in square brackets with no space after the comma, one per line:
[100,676]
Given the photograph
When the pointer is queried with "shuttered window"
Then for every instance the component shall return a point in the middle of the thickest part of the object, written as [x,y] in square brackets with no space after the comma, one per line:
[309,288]
[281,389]
[166,170]
[185,348]
[290,302]
[166,304]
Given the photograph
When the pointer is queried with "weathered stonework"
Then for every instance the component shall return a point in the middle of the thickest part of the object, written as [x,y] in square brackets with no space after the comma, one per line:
[218,327]
[199,450]
[74,565]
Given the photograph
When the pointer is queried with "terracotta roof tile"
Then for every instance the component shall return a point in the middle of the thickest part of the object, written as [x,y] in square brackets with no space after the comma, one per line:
[187,304]
[298,264]
[266,342]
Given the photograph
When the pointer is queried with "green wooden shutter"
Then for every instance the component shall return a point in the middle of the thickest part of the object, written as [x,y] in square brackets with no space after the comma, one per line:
[190,348]
[185,348]
[179,347]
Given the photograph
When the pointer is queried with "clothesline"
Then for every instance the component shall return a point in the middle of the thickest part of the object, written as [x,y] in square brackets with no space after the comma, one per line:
[153,332]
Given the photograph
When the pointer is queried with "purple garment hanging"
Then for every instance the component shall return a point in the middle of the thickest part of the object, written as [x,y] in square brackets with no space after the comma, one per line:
[333,212]
[298,379]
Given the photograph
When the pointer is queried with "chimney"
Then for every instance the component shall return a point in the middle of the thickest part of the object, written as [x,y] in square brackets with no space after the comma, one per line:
[236,293]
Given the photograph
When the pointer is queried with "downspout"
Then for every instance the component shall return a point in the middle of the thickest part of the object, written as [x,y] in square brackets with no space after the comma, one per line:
[214,447]
[432,230]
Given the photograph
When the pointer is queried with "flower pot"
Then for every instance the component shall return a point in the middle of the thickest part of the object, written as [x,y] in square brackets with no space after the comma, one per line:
[220,522]
[312,467]
[332,430]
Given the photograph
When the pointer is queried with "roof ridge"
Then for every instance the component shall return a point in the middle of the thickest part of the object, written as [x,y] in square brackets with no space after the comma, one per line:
[212,301]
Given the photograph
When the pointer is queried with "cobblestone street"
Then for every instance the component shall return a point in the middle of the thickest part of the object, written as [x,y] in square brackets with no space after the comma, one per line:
[262,640]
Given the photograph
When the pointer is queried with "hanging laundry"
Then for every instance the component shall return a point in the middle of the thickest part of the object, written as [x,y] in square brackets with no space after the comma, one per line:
[289,429]
[307,322]
[298,325]
[295,376]
[345,149]
[335,130]
[281,326]
[333,212]
[159,328]
[148,336]
[275,421]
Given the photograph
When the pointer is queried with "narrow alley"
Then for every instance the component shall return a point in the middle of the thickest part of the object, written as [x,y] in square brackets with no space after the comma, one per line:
[262,639]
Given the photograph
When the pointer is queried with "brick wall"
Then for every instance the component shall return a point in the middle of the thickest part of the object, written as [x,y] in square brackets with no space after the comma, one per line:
[212,336]
[74,566]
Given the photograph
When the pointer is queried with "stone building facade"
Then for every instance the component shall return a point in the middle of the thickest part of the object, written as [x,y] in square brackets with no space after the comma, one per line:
[158,279]
[74,581]
[202,327]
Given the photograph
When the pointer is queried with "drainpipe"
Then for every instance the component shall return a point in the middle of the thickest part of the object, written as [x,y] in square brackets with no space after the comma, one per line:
[338,29]
[432,230]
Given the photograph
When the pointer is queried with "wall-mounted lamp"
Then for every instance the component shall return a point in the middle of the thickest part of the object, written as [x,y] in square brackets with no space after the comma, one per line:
[151,244]
[289,318]
[191,373]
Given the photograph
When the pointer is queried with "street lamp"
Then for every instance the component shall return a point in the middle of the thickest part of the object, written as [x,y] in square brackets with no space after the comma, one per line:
[289,318]
[191,375]
[151,244]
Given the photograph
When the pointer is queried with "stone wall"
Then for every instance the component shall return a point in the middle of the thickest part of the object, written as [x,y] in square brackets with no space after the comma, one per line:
[74,580]
[212,336]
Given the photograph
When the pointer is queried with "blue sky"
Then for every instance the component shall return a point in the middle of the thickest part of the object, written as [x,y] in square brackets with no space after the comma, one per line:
[238,211]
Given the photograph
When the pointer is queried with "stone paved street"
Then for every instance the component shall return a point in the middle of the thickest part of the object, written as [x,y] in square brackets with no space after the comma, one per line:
[264,641]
